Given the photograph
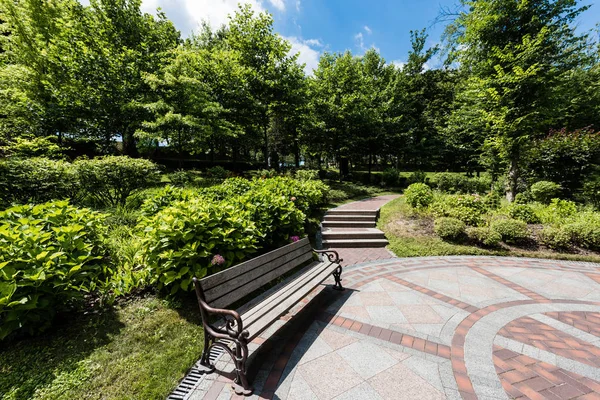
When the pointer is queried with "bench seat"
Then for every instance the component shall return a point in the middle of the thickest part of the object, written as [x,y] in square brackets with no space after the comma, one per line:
[240,281]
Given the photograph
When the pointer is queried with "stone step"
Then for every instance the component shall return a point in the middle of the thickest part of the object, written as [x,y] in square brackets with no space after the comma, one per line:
[341,243]
[349,217]
[349,211]
[348,224]
[333,234]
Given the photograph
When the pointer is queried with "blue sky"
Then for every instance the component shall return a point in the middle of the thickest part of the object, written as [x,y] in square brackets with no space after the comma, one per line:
[314,26]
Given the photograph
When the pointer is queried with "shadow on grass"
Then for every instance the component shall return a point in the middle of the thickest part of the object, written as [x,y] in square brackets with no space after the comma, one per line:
[27,364]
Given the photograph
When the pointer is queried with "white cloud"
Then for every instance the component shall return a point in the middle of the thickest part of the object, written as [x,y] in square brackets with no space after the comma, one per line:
[399,64]
[360,40]
[367,29]
[188,14]
[308,55]
[298,2]
[279,4]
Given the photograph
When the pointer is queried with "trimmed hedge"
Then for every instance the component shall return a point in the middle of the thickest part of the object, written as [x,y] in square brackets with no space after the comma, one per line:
[418,195]
[450,229]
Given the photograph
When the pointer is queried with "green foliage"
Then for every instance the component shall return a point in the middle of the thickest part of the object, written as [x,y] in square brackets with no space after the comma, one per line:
[556,212]
[307,174]
[484,236]
[417,177]
[511,230]
[591,192]
[585,231]
[391,177]
[555,238]
[523,198]
[28,147]
[545,191]
[523,212]
[456,183]
[182,178]
[450,229]
[418,195]
[53,255]
[467,208]
[37,180]
[110,180]
[164,197]
[181,241]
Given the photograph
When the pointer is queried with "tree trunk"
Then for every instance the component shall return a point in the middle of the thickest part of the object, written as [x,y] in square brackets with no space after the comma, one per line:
[266,151]
[129,144]
[370,165]
[513,178]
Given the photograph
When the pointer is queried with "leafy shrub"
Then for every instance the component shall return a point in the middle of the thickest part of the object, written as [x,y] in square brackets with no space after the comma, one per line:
[181,178]
[266,173]
[418,195]
[467,208]
[165,197]
[591,192]
[390,177]
[448,182]
[511,230]
[307,174]
[450,229]
[52,255]
[491,201]
[557,211]
[109,180]
[29,147]
[484,236]
[555,238]
[336,196]
[276,216]
[585,232]
[217,172]
[523,212]
[181,241]
[37,180]
[417,177]
[306,195]
[544,191]
[523,198]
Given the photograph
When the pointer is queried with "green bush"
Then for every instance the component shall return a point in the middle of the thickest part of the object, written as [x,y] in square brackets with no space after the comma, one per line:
[28,147]
[390,177]
[108,181]
[544,191]
[450,229]
[218,173]
[511,230]
[307,174]
[555,238]
[557,211]
[585,232]
[523,198]
[182,178]
[336,196]
[523,212]
[37,180]
[484,236]
[448,182]
[467,208]
[52,256]
[417,177]
[164,197]
[184,240]
[591,192]
[418,195]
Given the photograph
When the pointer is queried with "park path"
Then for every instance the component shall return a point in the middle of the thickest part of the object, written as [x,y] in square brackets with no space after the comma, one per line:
[357,250]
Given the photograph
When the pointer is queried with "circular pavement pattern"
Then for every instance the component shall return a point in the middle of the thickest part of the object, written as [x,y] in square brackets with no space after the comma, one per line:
[448,327]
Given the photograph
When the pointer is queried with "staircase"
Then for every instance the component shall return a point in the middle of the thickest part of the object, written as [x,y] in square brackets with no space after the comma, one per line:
[351,228]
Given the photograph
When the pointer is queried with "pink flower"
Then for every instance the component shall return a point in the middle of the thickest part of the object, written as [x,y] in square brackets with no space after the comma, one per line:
[292,198]
[217,260]
[294,239]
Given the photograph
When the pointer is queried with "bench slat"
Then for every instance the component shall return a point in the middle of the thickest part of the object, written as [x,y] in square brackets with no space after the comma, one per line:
[238,282]
[286,303]
[251,286]
[285,291]
[214,280]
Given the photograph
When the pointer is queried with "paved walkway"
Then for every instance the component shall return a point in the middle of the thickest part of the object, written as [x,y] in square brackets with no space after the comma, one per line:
[360,255]
[435,328]
[447,327]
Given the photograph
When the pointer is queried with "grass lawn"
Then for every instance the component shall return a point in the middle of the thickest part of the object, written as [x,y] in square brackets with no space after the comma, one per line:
[139,350]
[411,235]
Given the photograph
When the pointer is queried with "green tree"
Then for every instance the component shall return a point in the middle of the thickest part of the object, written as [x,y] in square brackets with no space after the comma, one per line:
[516,54]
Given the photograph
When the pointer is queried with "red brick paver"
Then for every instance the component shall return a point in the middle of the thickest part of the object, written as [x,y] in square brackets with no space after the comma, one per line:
[523,377]
[529,331]
[586,321]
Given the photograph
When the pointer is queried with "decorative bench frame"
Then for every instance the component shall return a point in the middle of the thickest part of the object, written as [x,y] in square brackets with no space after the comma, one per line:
[228,286]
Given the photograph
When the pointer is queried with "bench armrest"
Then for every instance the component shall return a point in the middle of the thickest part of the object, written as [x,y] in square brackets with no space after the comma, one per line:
[332,255]
[233,328]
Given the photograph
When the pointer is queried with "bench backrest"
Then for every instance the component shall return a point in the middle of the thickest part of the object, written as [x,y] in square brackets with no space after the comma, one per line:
[232,284]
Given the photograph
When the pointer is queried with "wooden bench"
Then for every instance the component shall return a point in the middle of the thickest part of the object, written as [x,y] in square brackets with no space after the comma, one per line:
[226,287]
